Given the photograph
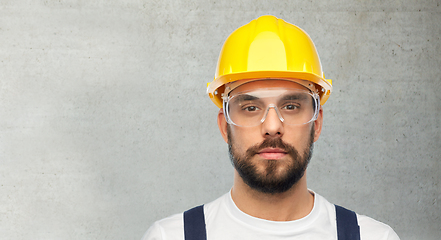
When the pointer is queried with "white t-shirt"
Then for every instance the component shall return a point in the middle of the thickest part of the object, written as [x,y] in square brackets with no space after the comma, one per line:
[225,221]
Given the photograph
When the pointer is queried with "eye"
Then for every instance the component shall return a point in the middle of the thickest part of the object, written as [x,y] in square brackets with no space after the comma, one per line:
[250,108]
[291,106]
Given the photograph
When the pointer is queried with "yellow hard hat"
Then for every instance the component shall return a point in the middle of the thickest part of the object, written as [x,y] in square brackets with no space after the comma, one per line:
[269,48]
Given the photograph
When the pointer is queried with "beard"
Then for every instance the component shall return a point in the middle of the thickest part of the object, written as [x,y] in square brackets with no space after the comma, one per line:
[275,178]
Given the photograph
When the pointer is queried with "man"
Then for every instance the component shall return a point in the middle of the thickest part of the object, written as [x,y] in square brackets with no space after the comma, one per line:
[270,89]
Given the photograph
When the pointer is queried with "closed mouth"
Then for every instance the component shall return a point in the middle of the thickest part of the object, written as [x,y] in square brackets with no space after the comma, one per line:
[272,153]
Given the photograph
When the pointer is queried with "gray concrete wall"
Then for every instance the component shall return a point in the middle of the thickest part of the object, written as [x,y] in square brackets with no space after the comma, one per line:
[105,126]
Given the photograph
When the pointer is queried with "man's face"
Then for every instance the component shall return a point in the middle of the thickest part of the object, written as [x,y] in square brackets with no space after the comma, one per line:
[272,156]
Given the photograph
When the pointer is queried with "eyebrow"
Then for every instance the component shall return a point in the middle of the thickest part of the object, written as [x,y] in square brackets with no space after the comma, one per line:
[294,96]
[245,97]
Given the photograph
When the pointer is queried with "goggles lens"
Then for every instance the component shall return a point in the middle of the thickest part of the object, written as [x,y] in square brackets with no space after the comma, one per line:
[292,106]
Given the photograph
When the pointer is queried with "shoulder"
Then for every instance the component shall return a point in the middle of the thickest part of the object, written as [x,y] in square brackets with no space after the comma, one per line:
[167,228]
[370,229]
[173,227]
[373,229]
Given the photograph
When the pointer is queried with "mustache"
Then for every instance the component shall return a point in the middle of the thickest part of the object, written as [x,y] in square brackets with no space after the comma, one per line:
[271,143]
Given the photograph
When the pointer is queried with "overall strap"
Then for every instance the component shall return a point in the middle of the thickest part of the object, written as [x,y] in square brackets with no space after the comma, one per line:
[194,224]
[347,224]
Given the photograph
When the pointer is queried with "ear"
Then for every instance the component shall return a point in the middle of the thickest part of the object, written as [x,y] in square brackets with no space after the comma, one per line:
[222,124]
[318,124]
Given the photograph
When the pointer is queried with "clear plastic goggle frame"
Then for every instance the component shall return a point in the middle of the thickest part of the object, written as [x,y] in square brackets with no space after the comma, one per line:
[250,108]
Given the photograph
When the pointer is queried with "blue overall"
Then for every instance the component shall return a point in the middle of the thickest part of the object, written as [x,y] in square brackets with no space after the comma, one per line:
[347,224]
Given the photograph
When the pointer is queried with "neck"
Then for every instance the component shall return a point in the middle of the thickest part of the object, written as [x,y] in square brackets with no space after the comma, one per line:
[291,205]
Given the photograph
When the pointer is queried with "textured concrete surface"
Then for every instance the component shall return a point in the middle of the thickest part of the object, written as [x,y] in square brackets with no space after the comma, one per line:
[105,126]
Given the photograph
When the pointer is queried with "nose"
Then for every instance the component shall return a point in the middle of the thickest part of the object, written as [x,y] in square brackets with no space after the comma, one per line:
[272,125]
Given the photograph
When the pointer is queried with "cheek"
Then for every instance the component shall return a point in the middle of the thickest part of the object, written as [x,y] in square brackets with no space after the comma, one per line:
[243,138]
[299,136]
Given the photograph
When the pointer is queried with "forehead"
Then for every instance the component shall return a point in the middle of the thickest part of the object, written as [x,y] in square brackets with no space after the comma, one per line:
[258,84]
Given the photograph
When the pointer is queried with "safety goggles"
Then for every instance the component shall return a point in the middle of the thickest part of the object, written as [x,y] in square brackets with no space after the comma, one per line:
[251,108]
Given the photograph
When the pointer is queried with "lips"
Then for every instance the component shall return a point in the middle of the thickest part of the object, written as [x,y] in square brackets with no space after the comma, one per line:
[272,153]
